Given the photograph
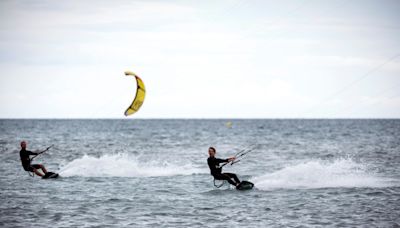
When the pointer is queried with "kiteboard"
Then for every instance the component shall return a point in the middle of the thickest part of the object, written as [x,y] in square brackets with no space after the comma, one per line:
[245,185]
[50,175]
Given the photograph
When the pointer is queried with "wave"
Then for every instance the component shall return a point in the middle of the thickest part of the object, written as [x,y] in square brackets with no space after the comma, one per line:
[124,165]
[322,174]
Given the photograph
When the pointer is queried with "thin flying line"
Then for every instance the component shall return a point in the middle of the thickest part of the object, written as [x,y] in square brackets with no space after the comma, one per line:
[377,95]
[353,82]
[373,103]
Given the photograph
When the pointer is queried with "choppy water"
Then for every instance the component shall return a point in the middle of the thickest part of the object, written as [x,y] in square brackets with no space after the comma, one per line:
[153,173]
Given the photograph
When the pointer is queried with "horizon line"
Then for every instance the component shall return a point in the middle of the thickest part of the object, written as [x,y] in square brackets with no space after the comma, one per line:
[207,118]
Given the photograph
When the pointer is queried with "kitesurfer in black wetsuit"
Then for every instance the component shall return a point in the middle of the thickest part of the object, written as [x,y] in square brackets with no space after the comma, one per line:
[216,170]
[26,161]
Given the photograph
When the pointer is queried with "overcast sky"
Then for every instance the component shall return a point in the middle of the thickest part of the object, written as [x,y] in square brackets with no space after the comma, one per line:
[201,59]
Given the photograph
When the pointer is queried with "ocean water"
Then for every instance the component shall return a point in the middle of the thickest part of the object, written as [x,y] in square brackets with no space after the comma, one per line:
[153,173]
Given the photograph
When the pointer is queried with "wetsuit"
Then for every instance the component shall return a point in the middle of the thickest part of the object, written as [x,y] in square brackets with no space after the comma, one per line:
[26,161]
[213,163]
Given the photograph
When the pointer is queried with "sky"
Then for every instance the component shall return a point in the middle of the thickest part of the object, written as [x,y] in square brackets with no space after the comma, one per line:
[200,59]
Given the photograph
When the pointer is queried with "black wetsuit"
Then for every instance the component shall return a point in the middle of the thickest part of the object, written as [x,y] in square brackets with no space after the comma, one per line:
[26,161]
[215,169]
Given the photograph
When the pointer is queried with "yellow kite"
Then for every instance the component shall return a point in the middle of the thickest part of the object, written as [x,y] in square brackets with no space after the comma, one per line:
[140,94]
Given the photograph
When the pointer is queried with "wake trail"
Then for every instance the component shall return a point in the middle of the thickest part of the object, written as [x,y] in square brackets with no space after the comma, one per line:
[339,173]
[124,165]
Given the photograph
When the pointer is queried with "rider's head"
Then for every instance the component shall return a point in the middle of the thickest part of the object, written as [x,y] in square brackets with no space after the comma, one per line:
[211,151]
[23,144]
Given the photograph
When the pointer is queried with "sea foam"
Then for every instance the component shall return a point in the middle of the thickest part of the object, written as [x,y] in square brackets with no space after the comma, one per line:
[322,174]
[124,165]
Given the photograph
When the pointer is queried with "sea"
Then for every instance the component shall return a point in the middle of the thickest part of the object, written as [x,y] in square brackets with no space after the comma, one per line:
[154,173]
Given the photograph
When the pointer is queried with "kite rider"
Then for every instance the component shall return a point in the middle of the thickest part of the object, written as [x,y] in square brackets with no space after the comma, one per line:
[26,161]
[216,170]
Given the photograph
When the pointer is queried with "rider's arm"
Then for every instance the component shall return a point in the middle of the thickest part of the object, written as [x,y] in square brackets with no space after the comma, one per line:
[43,150]
[218,160]
[31,153]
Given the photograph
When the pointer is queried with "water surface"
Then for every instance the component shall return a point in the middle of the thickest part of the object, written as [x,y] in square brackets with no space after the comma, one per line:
[153,173]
